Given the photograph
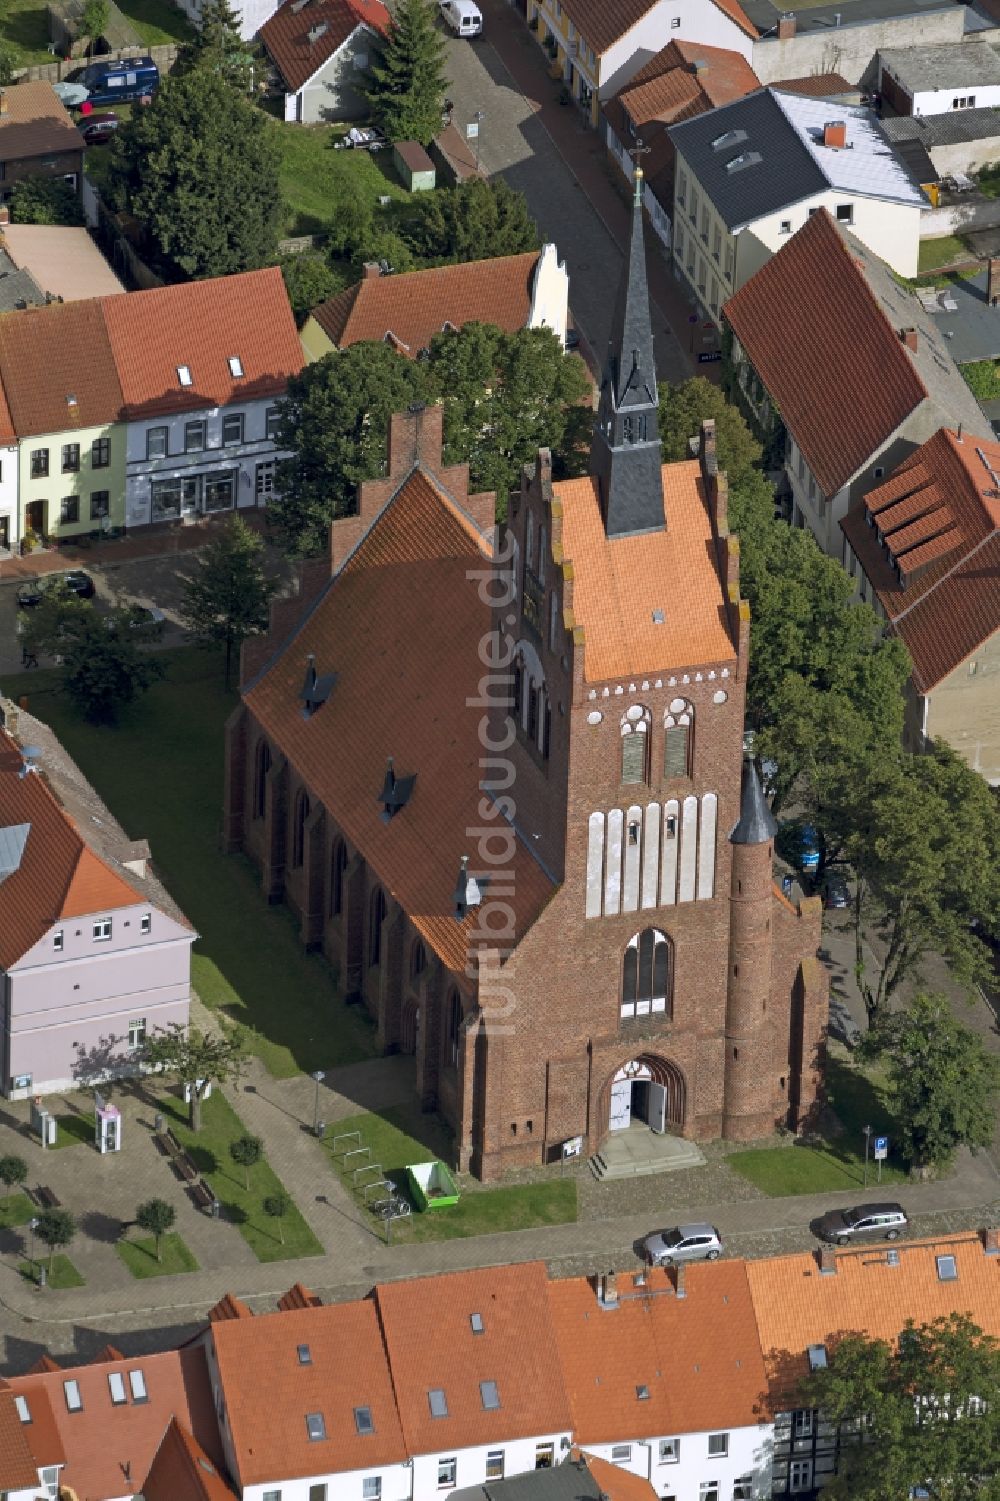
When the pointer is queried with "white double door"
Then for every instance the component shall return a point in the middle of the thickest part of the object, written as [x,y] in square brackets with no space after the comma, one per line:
[638,1099]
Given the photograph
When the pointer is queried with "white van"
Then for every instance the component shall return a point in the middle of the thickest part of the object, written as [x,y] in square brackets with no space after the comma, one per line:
[463,16]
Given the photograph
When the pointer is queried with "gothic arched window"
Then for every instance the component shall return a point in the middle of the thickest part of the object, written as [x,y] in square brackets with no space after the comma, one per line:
[418,960]
[299,819]
[262,765]
[647,974]
[338,868]
[678,724]
[553,620]
[376,918]
[454,1026]
[635,744]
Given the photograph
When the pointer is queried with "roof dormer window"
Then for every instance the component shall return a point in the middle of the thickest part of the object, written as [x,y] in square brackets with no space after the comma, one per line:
[184,375]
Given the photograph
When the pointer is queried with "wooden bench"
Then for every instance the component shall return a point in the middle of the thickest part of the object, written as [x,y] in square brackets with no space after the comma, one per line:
[186,1167]
[47,1199]
[173,1145]
[202,1194]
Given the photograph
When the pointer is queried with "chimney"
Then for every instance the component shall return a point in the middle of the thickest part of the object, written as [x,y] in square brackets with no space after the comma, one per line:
[835,134]
[827,1261]
[991,1242]
[3,102]
[608,1290]
[786,28]
[910,338]
[679,1287]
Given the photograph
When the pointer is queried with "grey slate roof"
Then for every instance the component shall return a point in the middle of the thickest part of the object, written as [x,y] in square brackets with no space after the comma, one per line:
[756,821]
[784,174]
[829,16]
[949,129]
[569,1481]
[18,288]
[921,69]
[12,842]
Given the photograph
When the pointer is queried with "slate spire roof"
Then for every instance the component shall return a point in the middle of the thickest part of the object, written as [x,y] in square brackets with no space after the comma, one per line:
[756,822]
[625,454]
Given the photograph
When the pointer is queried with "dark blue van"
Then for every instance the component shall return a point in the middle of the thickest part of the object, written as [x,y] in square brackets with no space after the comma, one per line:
[120,82]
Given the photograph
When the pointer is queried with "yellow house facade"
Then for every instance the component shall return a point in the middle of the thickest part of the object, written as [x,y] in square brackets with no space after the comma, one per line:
[72,482]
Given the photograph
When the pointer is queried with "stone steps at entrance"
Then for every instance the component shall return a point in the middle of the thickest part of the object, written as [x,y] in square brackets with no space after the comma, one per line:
[641,1153]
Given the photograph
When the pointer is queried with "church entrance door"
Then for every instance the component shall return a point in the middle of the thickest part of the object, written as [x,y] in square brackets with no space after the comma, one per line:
[636,1098]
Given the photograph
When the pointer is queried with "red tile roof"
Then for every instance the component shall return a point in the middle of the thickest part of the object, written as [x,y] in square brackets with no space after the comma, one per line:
[35,122]
[371,626]
[201,324]
[57,368]
[816,85]
[432,1346]
[347,1370]
[182,1471]
[415,306]
[617,1483]
[299,56]
[18,1465]
[59,875]
[617,585]
[932,553]
[109,1448]
[735,12]
[832,363]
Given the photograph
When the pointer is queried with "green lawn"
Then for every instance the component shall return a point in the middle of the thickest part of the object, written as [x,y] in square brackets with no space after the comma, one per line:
[63,1275]
[160,771]
[140,1257]
[209,1151]
[71,1130]
[25,24]
[941,252]
[983,379]
[157,21]
[315,178]
[838,1164]
[16,1209]
[399,1136]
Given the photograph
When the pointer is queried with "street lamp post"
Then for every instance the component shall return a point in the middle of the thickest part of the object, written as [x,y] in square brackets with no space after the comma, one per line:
[479,117]
[318,1076]
[868,1138]
[32,1226]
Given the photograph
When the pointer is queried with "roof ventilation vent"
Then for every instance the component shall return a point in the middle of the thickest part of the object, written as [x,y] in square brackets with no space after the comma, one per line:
[315,690]
[315,32]
[298,5]
[468,892]
[395,792]
[746,159]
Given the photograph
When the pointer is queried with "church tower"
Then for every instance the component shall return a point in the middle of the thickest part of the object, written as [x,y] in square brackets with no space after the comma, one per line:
[625,453]
[749,1030]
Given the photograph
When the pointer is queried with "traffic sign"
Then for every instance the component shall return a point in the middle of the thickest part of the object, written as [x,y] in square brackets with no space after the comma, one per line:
[881,1148]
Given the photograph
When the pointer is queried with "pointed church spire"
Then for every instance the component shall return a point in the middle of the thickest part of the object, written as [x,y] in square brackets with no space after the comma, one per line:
[756,823]
[625,453]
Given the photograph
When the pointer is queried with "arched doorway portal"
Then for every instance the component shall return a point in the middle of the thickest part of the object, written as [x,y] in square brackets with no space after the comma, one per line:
[644,1092]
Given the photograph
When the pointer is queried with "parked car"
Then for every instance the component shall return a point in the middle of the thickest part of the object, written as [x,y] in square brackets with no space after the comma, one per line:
[122,82]
[97,130]
[683,1243]
[841,1024]
[798,843]
[463,16]
[147,618]
[836,892]
[867,1222]
[78,583]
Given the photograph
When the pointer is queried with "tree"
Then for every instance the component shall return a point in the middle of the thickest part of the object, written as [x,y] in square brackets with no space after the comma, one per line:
[923,835]
[197,1059]
[55,1228]
[246,1152]
[227,598]
[474,222]
[336,423]
[505,396]
[684,407]
[94,22]
[219,49]
[10,61]
[942,1080]
[277,1205]
[45,200]
[102,666]
[13,1172]
[309,280]
[921,1417]
[198,169]
[156,1217]
[407,84]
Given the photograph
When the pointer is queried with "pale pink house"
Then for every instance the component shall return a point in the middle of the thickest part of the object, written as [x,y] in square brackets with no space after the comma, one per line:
[93,954]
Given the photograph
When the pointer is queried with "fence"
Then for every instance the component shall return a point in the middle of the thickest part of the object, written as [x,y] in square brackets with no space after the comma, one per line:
[59,68]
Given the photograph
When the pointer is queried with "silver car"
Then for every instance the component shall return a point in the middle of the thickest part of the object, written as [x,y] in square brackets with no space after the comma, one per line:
[683,1243]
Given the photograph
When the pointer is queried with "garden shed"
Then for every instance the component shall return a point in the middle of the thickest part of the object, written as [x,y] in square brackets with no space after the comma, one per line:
[414,166]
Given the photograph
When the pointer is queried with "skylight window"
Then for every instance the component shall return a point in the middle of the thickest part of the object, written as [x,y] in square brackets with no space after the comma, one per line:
[363,1420]
[235,366]
[947,1269]
[184,375]
[74,1402]
[137,1382]
[305,1355]
[315,1425]
[438,1403]
[23,1410]
[476,1320]
[116,1383]
[729,138]
[745,159]
[490,1395]
[642,1393]
[817,1357]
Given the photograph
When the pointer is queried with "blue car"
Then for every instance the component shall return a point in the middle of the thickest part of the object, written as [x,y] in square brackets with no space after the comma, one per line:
[120,82]
[799,844]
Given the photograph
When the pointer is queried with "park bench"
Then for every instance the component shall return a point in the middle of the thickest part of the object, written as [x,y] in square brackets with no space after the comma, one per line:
[47,1199]
[185,1167]
[202,1194]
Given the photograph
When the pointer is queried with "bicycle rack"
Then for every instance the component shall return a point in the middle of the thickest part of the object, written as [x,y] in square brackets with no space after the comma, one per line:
[346,1136]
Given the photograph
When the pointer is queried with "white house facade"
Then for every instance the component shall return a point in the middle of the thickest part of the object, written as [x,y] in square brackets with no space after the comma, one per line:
[10,527]
[732,1465]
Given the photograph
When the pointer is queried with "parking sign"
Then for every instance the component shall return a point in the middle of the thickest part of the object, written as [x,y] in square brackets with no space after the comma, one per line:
[881,1148]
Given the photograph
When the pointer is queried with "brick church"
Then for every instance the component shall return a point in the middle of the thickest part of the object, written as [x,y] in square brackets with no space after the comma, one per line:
[498,777]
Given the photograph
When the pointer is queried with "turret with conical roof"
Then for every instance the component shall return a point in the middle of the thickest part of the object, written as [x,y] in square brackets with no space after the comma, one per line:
[625,453]
[756,822]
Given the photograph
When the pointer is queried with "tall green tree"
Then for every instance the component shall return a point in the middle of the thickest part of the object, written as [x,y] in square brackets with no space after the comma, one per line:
[246,1152]
[103,668]
[942,1080]
[198,169]
[685,406]
[309,280]
[407,84]
[45,200]
[505,396]
[218,48]
[926,1408]
[55,1228]
[10,60]
[923,836]
[226,600]
[276,1206]
[473,222]
[13,1172]
[196,1059]
[156,1217]
[336,423]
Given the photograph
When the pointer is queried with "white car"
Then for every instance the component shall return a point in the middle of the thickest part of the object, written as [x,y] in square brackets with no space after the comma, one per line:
[463,16]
